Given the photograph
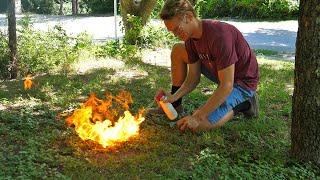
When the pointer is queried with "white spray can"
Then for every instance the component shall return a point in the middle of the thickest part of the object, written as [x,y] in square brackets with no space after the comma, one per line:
[167,107]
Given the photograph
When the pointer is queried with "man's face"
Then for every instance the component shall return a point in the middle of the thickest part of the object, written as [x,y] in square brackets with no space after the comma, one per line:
[179,27]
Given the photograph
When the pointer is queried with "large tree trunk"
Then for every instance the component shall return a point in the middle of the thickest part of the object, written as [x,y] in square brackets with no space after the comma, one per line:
[61,7]
[12,40]
[305,131]
[75,7]
[138,8]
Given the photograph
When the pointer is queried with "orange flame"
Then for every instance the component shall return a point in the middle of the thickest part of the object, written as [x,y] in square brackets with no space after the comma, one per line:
[27,83]
[96,120]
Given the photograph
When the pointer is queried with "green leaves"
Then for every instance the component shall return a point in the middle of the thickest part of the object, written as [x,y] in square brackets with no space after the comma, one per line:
[132,29]
[47,52]
[256,9]
[4,56]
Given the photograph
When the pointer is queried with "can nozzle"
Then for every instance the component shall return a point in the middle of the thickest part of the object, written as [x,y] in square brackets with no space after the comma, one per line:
[160,96]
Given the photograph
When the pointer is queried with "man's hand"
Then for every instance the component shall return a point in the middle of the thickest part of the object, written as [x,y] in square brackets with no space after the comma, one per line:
[169,97]
[188,122]
[200,114]
[160,91]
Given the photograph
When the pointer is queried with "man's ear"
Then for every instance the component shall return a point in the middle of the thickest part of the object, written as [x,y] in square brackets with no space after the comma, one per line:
[188,17]
[185,20]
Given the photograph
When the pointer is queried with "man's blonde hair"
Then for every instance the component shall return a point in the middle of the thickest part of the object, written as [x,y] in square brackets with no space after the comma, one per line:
[172,8]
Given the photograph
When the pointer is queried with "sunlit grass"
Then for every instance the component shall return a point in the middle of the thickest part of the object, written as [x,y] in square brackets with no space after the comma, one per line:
[36,143]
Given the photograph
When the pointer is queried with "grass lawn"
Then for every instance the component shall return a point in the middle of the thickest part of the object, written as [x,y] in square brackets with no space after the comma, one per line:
[36,144]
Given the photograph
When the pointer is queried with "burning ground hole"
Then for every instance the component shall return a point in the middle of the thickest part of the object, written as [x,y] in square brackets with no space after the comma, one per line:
[106,121]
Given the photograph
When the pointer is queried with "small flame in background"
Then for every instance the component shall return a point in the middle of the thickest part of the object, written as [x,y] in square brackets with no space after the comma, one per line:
[100,120]
[27,82]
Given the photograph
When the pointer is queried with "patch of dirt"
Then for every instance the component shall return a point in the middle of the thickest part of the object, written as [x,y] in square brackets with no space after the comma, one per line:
[2,107]
[158,57]
[84,66]
[131,74]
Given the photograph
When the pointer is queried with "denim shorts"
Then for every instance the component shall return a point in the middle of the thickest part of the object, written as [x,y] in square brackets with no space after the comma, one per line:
[237,96]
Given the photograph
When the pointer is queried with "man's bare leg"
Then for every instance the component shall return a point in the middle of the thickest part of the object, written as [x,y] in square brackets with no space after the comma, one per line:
[179,69]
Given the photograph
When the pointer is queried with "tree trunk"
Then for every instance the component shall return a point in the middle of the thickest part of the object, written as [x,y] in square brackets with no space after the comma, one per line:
[193,2]
[305,131]
[138,8]
[12,40]
[74,7]
[61,8]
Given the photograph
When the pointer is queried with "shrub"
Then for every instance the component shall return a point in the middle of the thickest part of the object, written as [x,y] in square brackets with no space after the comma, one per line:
[282,8]
[153,36]
[119,49]
[97,6]
[110,48]
[4,56]
[39,6]
[261,9]
[46,52]
[156,9]
[256,9]
[84,42]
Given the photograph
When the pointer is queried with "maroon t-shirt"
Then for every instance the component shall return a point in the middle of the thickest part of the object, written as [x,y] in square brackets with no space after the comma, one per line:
[222,45]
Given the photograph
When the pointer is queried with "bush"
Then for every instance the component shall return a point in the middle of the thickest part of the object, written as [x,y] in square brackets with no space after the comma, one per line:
[41,52]
[84,42]
[39,6]
[4,56]
[157,9]
[253,9]
[256,9]
[46,52]
[120,50]
[249,9]
[54,51]
[282,8]
[110,48]
[152,36]
[97,6]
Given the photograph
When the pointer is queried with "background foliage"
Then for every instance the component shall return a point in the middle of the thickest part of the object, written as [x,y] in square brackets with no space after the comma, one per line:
[249,9]
[97,6]
[45,52]
[256,9]
[39,6]
[4,56]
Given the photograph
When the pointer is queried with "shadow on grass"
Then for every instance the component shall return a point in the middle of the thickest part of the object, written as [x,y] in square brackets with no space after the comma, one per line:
[37,145]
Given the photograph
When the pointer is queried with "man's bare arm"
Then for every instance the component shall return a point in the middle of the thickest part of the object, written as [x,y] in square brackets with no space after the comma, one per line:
[226,78]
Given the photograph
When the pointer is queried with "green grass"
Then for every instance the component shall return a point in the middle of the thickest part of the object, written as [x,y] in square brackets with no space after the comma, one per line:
[35,144]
